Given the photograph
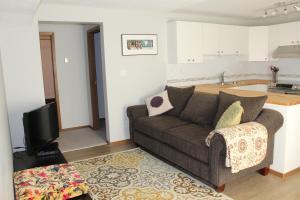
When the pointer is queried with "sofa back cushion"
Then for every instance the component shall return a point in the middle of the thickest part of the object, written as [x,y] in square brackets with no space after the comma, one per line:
[252,106]
[179,98]
[201,109]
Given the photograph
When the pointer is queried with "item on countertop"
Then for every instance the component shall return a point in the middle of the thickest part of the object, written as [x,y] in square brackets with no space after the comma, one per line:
[274,70]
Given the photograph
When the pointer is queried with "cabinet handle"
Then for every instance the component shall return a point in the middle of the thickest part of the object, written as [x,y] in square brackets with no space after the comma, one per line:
[189,60]
[298,42]
[193,60]
[293,42]
[221,51]
[218,51]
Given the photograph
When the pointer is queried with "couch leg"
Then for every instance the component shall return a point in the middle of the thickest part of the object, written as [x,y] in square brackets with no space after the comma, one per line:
[264,171]
[220,188]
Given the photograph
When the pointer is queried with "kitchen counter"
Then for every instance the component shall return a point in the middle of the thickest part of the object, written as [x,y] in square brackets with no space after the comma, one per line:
[273,98]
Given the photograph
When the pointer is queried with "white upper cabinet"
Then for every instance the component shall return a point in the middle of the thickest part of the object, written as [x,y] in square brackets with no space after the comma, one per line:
[211,43]
[283,34]
[185,43]
[298,32]
[224,39]
[258,43]
[188,42]
[242,42]
[227,40]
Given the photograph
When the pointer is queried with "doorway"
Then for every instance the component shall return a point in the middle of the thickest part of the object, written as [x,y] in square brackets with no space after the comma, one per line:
[47,46]
[81,103]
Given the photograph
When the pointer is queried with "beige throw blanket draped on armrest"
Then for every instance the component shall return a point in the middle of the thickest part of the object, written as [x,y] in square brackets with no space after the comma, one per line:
[246,145]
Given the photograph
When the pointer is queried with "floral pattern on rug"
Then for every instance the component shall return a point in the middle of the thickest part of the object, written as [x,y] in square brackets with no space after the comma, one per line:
[135,174]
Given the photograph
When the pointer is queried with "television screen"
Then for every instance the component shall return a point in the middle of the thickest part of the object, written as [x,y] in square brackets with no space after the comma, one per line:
[41,127]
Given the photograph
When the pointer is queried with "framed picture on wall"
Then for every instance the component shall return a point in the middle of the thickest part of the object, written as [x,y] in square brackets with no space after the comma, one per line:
[139,44]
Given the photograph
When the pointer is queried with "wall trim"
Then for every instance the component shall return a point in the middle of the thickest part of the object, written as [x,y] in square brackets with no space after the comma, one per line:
[121,142]
[284,176]
[74,128]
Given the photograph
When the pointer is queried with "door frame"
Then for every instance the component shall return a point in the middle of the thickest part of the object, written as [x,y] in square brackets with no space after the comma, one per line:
[47,36]
[93,76]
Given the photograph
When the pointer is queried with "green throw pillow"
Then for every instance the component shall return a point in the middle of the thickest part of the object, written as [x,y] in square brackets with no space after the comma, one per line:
[232,116]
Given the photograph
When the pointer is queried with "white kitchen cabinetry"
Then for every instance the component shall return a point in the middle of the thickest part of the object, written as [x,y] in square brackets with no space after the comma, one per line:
[224,39]
[258,43]
[211,40]
[298,32]
[285,34]
[282,35]
[185,43]
[240,36]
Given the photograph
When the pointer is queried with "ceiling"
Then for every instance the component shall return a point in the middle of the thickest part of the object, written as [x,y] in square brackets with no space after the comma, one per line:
[19,6]
[250,9]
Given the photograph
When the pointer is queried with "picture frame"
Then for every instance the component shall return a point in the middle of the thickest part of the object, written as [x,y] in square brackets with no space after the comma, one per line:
[139,44]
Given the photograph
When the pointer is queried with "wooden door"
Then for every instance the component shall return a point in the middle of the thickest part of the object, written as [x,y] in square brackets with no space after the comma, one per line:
[93,78]
[49,70]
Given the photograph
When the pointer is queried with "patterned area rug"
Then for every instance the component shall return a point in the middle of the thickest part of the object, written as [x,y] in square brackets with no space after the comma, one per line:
[135,174]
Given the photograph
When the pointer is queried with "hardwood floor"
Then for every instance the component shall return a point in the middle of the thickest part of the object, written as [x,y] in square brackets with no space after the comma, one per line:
[251,187]
[97,151]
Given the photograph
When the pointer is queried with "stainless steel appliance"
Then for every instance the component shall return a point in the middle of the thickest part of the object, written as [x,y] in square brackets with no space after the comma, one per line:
[285,88]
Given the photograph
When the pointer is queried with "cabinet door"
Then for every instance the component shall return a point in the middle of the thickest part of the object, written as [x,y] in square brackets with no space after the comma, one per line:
[274,39]
[298,33]
[287,33]
[258,43]
[241,44]
[189,42]
[227,39]
[211,39]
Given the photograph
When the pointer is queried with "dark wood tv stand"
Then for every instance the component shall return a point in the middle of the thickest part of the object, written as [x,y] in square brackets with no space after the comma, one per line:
[24,161]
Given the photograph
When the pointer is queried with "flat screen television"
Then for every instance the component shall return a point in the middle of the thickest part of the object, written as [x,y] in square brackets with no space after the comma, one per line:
[41,127]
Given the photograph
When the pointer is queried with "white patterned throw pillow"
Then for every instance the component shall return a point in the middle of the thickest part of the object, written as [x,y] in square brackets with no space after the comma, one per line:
[158,104]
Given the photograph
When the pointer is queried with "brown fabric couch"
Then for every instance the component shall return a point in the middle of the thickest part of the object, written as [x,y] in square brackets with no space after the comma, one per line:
[183,143]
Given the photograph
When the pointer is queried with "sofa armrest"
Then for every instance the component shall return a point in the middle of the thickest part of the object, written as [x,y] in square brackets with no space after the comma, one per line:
[134,112]
[271,119]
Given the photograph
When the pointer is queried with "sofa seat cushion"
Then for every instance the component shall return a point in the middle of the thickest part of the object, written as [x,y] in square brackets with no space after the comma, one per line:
[153,126]
[189,139]
[185,137]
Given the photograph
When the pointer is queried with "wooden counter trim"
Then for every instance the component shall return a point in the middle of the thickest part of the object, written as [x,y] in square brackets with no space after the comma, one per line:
[273,98]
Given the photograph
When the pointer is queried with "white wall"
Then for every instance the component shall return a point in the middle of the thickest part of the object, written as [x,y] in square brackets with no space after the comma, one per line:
[289,69]
[72,80]
[19,44]
[144,75]
[99,75]
[141,75]
[6,165]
